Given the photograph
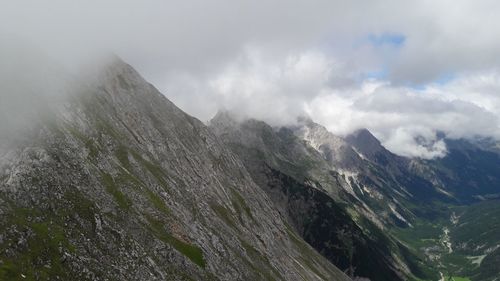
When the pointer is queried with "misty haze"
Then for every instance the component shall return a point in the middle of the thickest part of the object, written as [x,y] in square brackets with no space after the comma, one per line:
[244,140]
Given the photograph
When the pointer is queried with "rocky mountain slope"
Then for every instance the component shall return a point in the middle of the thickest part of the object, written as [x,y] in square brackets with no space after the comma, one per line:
[384,181]
[392,213]
[317,200]
[117,183]
[469,172]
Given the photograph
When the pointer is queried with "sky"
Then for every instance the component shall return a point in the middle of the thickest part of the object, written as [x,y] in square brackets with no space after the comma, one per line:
[409,71]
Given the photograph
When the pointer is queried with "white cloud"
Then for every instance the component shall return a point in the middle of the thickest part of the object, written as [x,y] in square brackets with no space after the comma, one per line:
[407,120]
[347,63]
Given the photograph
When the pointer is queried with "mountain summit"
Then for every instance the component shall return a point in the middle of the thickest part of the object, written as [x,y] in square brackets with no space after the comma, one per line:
[120,184]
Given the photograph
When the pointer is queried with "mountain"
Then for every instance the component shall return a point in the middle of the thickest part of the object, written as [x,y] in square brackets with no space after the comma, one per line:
[318,201]
[469,171]
[379,179]
[464,237]
[389,217]
[116,183]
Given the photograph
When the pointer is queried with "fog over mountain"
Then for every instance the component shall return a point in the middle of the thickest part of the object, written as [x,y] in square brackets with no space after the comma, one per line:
[406,71]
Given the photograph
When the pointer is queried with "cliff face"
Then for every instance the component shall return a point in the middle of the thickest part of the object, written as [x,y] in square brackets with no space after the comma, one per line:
[117,183]
[370,212]
[319,195]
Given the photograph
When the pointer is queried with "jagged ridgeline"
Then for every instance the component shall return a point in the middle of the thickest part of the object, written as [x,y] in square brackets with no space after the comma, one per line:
[318,201]
[370,212]
[114,182]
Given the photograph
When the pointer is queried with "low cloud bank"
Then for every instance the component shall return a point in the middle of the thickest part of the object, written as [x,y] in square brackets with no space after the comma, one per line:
[409,121]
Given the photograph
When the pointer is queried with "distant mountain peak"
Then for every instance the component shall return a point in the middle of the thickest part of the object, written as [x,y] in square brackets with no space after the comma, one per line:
[224,116]
[364,141]
[363,134]
[305,120]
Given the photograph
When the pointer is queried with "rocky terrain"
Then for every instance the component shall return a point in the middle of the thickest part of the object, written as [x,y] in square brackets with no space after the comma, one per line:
[316,193]
[117,183]
[387,216]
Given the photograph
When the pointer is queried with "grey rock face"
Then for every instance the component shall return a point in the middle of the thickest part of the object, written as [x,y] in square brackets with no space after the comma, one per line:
[119,184]
[343,193]
[386,184]
[321,200]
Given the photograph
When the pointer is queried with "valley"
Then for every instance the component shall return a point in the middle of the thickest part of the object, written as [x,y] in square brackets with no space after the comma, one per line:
[460,243]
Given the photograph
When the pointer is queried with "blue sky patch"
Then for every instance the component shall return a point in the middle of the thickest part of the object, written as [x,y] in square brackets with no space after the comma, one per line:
[445,78]
[441,80]
[391,39]
[375,74]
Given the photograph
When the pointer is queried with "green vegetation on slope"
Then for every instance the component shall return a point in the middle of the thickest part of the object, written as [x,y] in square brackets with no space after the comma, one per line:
[192,252]
[459,243]
[112,188]
[41,239]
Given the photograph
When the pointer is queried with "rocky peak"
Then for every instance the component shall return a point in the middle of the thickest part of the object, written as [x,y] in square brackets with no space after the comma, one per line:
[124,185]
[365,137]
[334,148]
[365,143]
[223,121]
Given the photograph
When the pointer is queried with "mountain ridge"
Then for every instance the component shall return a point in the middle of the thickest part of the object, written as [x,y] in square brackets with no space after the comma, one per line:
[314,198]
[121,184]
[411,200]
